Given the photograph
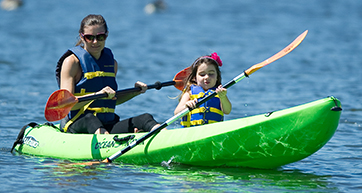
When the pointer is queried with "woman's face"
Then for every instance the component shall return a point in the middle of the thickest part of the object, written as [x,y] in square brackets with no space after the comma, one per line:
[93,45]
[206,76]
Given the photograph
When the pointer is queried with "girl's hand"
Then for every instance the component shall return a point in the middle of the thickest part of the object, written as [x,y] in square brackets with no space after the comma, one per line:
[221,91]
[110,92]
[142,85]
[191,104]
[225,103]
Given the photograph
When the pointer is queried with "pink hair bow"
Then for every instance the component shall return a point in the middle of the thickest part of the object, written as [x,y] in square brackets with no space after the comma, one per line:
[216,58]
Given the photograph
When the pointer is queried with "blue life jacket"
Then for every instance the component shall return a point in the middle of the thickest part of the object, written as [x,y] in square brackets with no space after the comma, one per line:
[208,112]
[96,75]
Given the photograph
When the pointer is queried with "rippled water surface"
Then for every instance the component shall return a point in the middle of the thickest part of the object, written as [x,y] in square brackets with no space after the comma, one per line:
[154,47]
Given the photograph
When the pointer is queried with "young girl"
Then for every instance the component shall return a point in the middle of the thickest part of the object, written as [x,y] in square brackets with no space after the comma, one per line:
[203,80]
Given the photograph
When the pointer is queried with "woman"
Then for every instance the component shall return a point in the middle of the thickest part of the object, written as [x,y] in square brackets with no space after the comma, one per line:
[87,69]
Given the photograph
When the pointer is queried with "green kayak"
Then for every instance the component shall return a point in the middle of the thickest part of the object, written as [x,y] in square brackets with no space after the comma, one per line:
[261,141]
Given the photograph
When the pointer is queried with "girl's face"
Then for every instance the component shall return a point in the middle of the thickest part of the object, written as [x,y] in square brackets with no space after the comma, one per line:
[206,76]
[94,46]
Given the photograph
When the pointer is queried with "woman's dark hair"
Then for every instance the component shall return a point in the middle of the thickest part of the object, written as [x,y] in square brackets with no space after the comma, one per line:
[91,20]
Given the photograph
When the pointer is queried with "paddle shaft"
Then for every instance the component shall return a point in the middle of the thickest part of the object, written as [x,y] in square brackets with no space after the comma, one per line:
[238,78]
[158,85]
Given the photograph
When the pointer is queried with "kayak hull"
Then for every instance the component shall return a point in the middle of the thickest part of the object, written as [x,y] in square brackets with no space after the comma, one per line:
[261,141]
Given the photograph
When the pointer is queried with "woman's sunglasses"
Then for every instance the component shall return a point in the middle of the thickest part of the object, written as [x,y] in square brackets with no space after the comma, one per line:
[99,37]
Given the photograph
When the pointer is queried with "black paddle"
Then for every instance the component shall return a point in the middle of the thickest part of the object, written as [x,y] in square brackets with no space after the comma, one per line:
[61,101]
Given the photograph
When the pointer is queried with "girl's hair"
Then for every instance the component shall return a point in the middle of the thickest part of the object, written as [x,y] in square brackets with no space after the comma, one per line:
[91,20]
[191,79]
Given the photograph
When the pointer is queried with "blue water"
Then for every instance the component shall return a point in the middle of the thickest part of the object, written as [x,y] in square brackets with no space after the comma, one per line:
[154,47]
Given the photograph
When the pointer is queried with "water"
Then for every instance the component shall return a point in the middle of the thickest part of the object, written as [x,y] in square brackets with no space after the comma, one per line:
[154,48]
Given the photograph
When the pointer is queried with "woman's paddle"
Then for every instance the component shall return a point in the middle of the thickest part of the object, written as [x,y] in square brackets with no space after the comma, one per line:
[246,73]
[61,101]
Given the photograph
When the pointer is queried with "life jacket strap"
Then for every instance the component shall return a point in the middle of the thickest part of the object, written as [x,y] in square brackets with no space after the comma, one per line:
[203,110]
[80,112]
[91,75]
[101,110]
[196,122]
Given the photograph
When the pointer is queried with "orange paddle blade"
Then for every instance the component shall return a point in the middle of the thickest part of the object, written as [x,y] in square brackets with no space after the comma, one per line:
[59,105]
[181,78]
[278,55]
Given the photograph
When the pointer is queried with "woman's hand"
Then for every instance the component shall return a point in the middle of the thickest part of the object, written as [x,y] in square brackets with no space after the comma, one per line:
[110,92]
[141,85]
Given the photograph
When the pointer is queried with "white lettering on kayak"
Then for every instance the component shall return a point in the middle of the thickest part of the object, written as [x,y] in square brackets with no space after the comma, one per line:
[113,144]
[31,141]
